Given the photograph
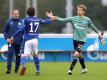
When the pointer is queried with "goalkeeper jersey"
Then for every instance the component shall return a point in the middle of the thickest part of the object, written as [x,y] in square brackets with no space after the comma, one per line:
[80,26]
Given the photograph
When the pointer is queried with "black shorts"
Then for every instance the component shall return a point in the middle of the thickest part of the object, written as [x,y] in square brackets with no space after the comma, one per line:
[78,45]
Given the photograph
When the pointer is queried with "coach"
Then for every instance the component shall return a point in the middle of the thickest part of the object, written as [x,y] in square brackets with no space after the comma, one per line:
[11,26]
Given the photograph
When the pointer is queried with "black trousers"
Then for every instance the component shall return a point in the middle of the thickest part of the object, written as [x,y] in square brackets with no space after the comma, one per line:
[13,49]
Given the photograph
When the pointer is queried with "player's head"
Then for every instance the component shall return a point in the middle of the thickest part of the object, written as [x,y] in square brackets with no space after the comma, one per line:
[15,13]
[31,11]
[81,9]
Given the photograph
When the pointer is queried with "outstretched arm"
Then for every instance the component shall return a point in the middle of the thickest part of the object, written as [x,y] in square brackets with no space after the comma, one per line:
[17,32]
[50,14]
[46,21]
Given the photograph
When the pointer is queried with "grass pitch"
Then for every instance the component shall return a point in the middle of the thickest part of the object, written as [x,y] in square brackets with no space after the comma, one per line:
[57,71]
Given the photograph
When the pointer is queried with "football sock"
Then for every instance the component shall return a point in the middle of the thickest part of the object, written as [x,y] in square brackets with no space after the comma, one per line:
[37,63]
[23,61]
[82,63]
[73,64]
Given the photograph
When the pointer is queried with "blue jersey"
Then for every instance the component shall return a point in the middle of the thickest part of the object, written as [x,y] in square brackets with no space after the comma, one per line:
[30,26]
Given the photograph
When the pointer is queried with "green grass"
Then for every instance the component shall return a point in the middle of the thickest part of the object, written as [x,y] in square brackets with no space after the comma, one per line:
[57,71]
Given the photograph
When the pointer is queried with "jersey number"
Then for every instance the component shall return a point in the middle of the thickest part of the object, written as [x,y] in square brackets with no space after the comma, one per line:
[34,26]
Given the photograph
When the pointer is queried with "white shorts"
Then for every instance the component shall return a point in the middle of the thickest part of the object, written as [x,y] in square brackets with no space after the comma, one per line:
[29,47]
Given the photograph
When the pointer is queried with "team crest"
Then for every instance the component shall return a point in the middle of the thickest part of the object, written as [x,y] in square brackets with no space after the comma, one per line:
[19,24]
[11,23]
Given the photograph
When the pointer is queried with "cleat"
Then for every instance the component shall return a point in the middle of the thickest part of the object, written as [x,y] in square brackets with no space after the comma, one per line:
[84,71]
[8,72]
[23,70]
[37,73]
[15,71]
[69,72]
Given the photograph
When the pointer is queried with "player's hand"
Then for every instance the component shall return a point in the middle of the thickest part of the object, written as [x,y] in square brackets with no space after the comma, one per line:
[102,39]
[9,41]
[101,35]
[50,14]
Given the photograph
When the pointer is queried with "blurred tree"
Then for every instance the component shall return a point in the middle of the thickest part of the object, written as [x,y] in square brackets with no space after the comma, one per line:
[21,5]
[4,10]
[58,8]
[3,13]
[95,11]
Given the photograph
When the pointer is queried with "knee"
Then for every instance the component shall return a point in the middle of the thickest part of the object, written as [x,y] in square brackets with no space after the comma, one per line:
[25,55]
[35,55]
[78,55]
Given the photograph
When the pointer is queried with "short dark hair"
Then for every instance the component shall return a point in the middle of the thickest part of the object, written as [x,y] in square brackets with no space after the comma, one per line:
[31,11]
[82,6]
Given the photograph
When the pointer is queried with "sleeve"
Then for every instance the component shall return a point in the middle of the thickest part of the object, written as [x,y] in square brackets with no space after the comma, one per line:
[45,21]
[93,26]
[22,28]
[6,29]
[19,31]
[64,19]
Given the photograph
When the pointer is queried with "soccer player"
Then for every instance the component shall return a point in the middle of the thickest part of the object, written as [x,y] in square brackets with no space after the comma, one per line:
[80,25]
[30,26]
[11,26]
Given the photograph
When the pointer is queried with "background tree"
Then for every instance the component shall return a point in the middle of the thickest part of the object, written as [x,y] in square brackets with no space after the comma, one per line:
[95,11]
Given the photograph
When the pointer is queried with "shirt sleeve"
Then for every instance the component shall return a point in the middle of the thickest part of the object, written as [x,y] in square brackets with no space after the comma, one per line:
[64,19]
[93,26]
[45,21]
[6,29]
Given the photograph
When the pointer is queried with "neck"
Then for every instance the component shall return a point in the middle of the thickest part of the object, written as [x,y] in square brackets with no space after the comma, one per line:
[81,16]
[15,19]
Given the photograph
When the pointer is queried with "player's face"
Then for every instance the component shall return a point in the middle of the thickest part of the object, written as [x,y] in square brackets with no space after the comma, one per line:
[80,11]
[15,14]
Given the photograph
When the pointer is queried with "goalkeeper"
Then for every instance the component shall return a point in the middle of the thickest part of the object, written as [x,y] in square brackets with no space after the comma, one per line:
[80,26]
